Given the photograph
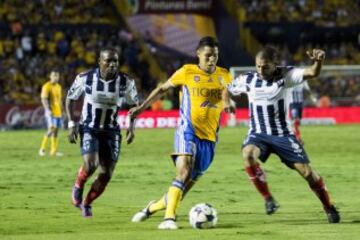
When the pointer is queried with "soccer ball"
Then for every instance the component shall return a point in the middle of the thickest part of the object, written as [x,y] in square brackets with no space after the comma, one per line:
[203,215]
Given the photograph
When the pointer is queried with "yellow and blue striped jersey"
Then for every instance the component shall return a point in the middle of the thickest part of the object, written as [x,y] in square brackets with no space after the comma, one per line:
[200,99]
[53,93]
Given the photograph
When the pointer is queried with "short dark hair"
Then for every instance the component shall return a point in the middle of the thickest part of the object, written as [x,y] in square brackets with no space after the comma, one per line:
[109,49]
[55,69]
[269,53]
[207,41]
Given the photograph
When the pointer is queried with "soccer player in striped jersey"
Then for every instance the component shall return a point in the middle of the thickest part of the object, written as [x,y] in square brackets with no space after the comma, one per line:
[203,97]
[51,99]
[296,106]
[104,90]
[270,131]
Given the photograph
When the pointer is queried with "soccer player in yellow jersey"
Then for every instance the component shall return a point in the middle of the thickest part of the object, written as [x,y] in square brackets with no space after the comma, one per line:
[203,96]
[51,99]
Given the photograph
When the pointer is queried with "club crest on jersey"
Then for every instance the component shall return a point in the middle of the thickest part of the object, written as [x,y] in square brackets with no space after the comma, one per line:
[221,80]
[196,78]
[210,80]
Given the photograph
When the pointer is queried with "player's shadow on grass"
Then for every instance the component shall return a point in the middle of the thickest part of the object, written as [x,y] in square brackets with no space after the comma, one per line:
[229,226]
[288,218]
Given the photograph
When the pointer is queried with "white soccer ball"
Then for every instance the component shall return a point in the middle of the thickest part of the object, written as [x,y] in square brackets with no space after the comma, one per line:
[202,216]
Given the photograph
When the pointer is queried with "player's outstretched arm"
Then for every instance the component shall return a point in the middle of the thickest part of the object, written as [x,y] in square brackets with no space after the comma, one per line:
[318,56]
[130,133]
[228,107]
[73,132]
[155,94]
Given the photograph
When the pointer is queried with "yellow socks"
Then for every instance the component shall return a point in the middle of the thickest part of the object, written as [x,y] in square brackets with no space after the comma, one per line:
[54,143]
[44,142]
[174,196]
[159,205]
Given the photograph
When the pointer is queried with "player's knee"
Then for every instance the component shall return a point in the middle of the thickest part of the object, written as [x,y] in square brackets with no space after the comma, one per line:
[55,132]
[104,177]
[183,174]
[305,171]
[90,167]
[248,155]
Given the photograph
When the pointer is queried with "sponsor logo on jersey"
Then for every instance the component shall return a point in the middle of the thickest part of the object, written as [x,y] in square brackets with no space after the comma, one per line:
[205,92]
[208,104]
[221,80]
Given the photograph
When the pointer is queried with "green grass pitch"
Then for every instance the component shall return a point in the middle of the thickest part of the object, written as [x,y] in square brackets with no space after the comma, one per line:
[35,191]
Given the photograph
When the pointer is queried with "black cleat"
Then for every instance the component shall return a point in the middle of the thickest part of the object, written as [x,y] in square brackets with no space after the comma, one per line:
[333,214]
[271,206]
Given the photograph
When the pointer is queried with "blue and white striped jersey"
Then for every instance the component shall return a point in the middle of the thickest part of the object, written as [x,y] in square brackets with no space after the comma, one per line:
[268,99]
[297,92]
[102,98]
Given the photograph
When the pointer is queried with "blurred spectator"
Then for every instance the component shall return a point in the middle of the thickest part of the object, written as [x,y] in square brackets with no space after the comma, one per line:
[162,104]
[323,13]
[51,11]
[73,51]
[324,101]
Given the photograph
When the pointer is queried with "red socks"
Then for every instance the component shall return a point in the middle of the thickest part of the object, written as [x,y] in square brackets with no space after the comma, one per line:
[320,190]
[97,188]
[258,177]
[81,178]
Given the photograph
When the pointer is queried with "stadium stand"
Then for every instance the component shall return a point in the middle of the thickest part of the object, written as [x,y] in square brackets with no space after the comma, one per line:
[65,36]
[39,35]
[296,26]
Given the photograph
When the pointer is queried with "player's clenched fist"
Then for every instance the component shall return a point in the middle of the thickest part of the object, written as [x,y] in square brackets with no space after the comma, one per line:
[316,54]
[73,134]
[135,111]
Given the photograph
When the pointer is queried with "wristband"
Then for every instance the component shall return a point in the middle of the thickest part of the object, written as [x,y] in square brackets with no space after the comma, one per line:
[71,124]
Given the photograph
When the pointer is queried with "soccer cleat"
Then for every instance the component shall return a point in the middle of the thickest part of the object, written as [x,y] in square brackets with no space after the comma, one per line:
[59,154]
[143,214]
[333,215]
[76,196]
[86,211]
[56,154]
[271,206]
[168,224]
[42,152]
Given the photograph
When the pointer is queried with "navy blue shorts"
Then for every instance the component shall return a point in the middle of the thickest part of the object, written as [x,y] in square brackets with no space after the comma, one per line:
[287,147]
[296,110]
[105,142]
[202,151]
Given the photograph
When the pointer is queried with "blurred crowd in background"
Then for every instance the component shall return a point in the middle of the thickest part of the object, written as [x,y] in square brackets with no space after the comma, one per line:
[40,35]
[327,13]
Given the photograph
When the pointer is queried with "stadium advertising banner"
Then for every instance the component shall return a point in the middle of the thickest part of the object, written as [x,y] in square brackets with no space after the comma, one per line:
[32,116]
[176,24]
[203,7]
[21,116]
[317,116]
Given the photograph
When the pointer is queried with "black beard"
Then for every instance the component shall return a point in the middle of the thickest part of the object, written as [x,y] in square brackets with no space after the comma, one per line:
[110,75]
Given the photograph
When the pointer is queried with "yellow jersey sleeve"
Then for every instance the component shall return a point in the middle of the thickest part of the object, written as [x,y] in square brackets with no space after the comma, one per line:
[178,78]
[227,78]
[45,91]
[224,76]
